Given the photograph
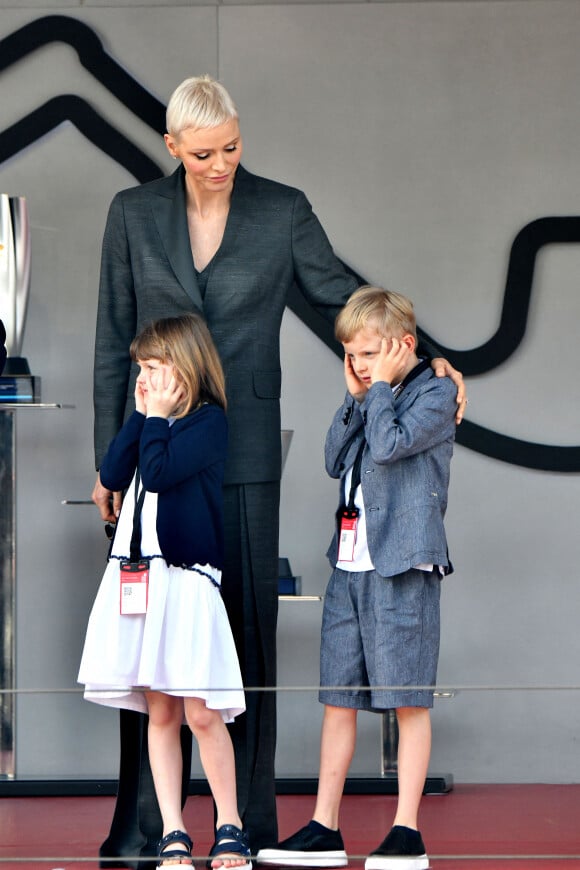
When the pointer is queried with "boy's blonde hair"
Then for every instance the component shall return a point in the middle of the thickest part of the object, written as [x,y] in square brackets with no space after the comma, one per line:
[185,342]
[390,313]
[199,103]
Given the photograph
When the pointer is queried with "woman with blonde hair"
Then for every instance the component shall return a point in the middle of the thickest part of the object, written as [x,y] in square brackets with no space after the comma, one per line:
[215,238]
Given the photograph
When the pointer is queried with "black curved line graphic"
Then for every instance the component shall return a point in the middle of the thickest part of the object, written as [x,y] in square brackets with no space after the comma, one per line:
[517,295]
[519,279]
[69,107]
[92,55]
[529,454]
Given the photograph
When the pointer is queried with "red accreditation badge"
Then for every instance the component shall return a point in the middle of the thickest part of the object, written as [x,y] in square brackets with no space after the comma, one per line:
[134,589]
[347,522]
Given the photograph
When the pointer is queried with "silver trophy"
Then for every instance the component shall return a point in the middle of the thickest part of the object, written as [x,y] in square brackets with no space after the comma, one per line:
[16,384]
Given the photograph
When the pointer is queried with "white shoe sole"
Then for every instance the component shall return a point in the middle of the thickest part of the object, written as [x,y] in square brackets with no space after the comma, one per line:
[392,862]
[281,858]
[246,866]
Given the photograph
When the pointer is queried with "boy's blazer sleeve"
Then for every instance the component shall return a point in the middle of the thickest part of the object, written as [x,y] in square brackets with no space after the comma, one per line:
[396,430]
[343,438]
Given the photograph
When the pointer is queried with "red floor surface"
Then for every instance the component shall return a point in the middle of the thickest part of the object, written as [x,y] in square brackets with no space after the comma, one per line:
[474,827]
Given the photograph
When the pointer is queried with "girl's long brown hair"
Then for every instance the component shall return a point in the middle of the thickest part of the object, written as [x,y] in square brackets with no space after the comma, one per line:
[185,342]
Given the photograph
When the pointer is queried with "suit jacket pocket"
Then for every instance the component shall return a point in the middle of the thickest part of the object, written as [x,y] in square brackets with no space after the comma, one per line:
[268,385]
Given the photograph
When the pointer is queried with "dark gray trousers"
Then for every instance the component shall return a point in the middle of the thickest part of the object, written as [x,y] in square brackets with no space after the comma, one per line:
[250,593]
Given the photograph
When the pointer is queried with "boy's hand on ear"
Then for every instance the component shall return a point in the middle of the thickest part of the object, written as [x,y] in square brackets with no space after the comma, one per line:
[392,362]
[354,385]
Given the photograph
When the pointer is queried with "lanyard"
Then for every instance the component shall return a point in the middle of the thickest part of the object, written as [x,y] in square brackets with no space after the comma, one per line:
[135,552]
[355,476]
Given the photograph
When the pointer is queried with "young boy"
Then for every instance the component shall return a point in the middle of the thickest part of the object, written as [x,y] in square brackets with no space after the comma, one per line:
[390,444]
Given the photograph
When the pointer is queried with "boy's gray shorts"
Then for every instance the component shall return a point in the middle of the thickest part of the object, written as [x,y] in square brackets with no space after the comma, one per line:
[379,632]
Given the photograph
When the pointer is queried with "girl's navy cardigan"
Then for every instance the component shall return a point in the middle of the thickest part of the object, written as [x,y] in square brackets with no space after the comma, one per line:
[184,463]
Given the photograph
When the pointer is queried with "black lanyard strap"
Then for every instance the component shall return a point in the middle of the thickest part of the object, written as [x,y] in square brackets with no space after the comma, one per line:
[135,551]
[355,475]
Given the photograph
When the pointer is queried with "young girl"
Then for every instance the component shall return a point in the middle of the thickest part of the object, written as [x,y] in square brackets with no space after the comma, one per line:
[158,639]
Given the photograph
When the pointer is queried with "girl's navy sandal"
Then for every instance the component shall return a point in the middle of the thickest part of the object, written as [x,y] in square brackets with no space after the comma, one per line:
[164,854]
[230,840]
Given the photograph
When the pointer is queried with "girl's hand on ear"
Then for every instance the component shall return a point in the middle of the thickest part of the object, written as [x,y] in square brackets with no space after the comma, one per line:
[165,396]
[140,398]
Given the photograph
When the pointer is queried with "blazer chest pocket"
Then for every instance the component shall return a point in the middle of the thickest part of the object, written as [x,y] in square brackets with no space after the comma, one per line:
[268,385]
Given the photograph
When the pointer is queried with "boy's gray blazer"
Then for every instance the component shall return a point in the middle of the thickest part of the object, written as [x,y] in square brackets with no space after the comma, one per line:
[272,238]
[405,469]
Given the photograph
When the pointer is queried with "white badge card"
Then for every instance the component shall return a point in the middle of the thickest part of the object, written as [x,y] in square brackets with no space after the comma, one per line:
[134,587]
[347,534]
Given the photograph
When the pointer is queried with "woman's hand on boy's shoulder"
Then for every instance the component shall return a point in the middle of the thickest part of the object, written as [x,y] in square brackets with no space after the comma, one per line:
[444,369]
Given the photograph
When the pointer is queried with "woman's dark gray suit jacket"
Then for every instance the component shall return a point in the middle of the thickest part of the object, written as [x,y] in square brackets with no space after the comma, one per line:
[272,239]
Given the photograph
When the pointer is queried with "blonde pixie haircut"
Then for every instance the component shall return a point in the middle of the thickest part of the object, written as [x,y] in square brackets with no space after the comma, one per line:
[390,313]
[199,103]
[185,342]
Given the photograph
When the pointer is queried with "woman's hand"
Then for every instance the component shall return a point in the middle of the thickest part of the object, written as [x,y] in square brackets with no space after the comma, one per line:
[444,369]
[108,503]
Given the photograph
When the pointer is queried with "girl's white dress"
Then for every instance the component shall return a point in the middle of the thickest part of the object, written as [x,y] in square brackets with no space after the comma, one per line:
[182,646]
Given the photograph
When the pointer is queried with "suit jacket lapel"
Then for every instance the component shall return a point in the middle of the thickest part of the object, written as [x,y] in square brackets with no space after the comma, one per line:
[243,198]
[235,242]
[170,215]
